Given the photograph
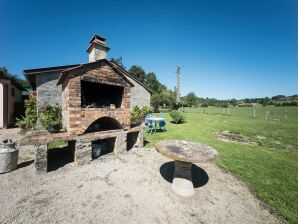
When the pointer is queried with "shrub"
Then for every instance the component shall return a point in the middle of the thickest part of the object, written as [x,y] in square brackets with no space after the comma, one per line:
[138,115]
[225,105]
[22,122]
[50,115]
[177,117]
[30,118]
[55,123]
[164,110]
[247,105]
[204,104]
[286,103]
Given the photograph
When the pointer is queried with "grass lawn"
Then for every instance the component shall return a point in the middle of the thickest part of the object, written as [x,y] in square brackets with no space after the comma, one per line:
[270,168]
[57,145]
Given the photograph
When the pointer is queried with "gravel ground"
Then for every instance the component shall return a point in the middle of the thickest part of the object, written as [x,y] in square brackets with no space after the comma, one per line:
[131,188]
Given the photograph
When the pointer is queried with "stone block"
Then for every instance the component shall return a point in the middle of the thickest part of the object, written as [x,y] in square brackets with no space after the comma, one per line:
[120,143]
[41,158]
[83,152]
[140,139]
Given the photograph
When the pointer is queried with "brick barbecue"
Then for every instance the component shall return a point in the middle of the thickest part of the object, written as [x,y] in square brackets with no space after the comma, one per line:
[111,106]
[96,103]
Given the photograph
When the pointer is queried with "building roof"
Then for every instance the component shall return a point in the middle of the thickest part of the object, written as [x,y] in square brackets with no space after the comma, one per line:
[12,82]
[132,77]
[64,70]
[30,74]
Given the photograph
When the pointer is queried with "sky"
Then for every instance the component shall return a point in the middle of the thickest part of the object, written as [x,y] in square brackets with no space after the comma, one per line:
[227,49]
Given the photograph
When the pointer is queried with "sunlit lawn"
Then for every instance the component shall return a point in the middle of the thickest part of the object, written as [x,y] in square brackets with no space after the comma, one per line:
[270,169]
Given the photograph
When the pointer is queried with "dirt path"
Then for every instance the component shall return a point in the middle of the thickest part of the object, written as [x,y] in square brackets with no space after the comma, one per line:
[132,188]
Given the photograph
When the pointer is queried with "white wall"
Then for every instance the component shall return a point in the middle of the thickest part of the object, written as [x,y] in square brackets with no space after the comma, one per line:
[1,106]
[11,101]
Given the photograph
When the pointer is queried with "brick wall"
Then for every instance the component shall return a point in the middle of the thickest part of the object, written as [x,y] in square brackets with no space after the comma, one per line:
[78,119]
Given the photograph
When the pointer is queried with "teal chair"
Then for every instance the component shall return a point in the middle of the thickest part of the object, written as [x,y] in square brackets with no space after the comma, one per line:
[146,119]
[151,126]
[162,125]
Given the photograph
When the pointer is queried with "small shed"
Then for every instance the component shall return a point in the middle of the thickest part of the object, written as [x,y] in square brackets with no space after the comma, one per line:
[10,94]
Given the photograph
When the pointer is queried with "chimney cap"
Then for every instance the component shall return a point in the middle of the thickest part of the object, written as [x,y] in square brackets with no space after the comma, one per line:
[98,37]
[97,40]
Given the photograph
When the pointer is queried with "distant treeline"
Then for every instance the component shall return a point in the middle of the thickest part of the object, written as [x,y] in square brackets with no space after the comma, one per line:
[163,97]
[279,100]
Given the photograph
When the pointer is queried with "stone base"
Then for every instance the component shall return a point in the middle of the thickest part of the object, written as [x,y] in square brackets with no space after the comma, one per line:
[120,143]
[83,152]
[41,158]
[140,139]
[82,147]
[135,139]
[182,182]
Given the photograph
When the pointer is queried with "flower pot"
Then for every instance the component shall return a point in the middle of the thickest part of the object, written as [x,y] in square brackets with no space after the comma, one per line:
[54,128]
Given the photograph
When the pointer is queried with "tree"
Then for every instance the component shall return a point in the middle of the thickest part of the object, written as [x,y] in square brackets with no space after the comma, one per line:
[152,82]
[138,72]
[4,74]
[246,100]
[265,101]
[155,101]
[278,97]
[191,99]
[169,98]
[183,101]
[233,102]
[118,61]
[165,98]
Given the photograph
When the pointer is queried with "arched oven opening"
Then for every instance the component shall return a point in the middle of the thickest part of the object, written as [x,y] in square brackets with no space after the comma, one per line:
[103,124]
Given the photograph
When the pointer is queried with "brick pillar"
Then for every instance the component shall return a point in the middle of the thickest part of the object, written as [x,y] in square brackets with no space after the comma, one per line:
[83,151]
[41,158]
[120,143]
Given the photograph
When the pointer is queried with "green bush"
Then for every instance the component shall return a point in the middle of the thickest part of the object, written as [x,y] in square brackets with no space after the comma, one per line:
[204,105]
[164,110]
[138,115]
[22,122]
[55,123]
[30,118]
[177,117]
[286,103]
[50,115]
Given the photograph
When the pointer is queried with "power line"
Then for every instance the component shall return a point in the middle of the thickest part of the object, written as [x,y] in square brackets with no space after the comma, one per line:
[178,86]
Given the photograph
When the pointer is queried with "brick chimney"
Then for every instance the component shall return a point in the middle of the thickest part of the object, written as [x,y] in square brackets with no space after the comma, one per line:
[98,48]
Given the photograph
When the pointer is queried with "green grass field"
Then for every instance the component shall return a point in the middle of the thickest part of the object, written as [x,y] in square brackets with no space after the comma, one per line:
[270,168]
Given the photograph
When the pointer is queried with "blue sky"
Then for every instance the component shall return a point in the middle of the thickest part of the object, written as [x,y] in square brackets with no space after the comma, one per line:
[228,49]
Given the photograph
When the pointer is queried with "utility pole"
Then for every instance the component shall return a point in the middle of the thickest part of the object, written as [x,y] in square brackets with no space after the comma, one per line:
[178,86]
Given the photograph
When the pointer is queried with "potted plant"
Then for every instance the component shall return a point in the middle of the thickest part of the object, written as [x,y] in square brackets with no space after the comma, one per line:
[54,126]
[51,118]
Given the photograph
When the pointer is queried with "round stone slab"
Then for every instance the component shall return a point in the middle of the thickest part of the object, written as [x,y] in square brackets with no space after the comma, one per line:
[186,151]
